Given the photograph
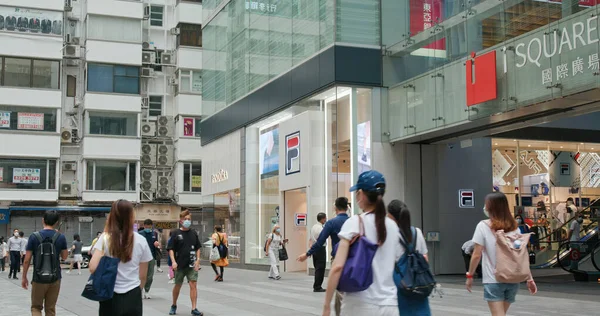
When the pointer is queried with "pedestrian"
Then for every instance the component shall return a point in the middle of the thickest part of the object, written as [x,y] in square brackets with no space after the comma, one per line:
[218,238]
[3,254]
[120,241]
[320,256]
[169,262]
[23,248]
[575,229]
[77,256]
[94,242]
[381,298]
[467,251]
[413,305]
[499,296]
[331,229]
[184,250]
[274,243]
[159,254]
[45,285]
[152,238]
[14,246]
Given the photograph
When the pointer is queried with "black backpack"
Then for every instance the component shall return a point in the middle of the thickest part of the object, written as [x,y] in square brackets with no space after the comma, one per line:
[223,251]
[46,264]
[412,275]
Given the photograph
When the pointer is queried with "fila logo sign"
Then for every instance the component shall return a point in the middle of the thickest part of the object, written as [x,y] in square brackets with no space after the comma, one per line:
[466,199]
[292,153]
[481,78]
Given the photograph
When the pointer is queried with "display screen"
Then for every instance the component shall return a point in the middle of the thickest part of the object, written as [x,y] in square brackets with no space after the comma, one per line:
[269,152]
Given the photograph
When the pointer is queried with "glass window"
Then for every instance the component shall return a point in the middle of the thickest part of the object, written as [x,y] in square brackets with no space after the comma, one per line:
[71,86]
[192,177]
[222,209]
[111,176]
[111,28]
[190,34]
[118,124]
[155,105]
[156,15]
[45,74]
[197,127]
[190,81]
[113,78]
[27,174]
[158,61]
[17,72]
[27,118]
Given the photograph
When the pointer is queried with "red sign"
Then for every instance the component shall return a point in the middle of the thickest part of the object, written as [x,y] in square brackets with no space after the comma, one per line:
[292,153]
[481,78]
[575,254]
[425,14]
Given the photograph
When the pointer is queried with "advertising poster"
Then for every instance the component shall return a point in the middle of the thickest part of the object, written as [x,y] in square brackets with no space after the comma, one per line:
[26,175]
[1,174]
[425,14]
[4,119]
[33,121]
[196,181]
[268,162]
[188,126]
[363,139]
[31,20]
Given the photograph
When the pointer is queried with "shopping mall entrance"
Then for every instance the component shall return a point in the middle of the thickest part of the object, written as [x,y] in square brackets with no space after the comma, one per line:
[295,227]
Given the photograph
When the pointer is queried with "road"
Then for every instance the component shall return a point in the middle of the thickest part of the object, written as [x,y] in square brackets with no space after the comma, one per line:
[250,293]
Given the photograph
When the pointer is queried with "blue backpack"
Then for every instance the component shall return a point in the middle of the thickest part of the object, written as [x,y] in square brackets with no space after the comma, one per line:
[412,275]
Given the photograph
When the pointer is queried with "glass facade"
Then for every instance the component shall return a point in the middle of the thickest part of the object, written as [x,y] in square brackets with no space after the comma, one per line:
[221,209]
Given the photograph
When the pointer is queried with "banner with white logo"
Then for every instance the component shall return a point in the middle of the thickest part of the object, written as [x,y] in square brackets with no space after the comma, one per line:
[26,175]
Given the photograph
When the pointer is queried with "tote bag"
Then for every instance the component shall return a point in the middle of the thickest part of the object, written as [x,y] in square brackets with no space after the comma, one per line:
[101,284]
[357,274]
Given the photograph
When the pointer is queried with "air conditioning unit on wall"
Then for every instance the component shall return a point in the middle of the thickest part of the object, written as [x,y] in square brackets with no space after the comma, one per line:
[148,57]
[68,190]
[148,155]
[72,51]
[165,155]
[148,178]
[149,129]
[164,190]
[69,166]
[66,136]
[165,126]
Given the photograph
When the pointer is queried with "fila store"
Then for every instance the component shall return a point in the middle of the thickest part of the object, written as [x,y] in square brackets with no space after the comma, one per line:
[297,162]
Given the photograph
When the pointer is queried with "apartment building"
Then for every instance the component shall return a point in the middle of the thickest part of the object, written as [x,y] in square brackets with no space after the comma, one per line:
[101,100]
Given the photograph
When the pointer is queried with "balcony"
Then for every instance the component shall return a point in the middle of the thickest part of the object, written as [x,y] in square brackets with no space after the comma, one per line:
[188,104]
[32,45]
[188,12]
[28,195]
[43,98]
[189,57]
[121,147]
[113,102]
[114,52]
[126,9]
[29,144]
[55,5]
[107,196]
[188,149]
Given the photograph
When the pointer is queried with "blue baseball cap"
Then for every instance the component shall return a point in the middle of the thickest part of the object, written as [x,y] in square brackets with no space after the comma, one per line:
[369,181]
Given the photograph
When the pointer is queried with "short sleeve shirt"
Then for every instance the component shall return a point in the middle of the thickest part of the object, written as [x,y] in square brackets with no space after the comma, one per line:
[576,228]
[182,244]
[60,245]
[78,246]
[485,237]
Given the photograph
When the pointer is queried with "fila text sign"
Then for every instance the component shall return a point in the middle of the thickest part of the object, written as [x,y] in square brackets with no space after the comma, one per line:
[292,153]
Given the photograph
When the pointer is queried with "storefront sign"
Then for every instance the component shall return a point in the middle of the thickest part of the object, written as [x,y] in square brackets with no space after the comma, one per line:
[220,176]
[466,199]
[158,212]
[26,175]
[300,219]
[4,216]
[196,181]
[261,6]
[32,20]
[484,88]
[33,121]
[166,225]
[4,119]
[86,219]
[292,153]
[425,14]
[188,127]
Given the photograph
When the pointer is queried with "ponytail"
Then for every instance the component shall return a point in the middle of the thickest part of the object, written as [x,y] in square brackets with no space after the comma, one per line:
[380,214]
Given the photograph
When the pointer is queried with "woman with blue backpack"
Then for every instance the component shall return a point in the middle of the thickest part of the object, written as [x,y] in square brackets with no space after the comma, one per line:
[366,254]
[410,304]
[219,239]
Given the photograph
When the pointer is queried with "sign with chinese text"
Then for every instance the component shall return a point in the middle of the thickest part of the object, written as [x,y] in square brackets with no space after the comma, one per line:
[34,121]
[188,126]
[260,6]
[425,14]
[4,119]
[157,212]
[26,175]
[196,181]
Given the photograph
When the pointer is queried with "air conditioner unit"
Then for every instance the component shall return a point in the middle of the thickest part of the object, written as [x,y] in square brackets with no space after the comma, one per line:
[166,59]
[164,156]
[147,196]
[148,57]
[149,129]
[164,190]
[67,190]
[147,46]
[173,81]
[175,31]
[145,102]
[72,51]
[68,6]
[148,155]
[147,72]
[69,166]
[165,127]
[146,12]
[148,178]
[66,136]
[164,121]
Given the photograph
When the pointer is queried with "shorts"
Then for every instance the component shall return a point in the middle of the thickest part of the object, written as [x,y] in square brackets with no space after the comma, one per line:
[189,273]
[500,292]
[77,258]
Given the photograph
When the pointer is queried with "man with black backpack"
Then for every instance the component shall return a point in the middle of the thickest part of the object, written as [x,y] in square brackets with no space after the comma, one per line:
[46,247]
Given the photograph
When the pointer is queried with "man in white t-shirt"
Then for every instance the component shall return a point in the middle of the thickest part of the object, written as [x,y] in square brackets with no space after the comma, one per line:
[575,229]
[320,256]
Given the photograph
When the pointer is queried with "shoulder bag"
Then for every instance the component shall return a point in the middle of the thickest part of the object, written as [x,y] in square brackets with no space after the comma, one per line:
[101,284]
[223,250]
[214,254]
[357,274]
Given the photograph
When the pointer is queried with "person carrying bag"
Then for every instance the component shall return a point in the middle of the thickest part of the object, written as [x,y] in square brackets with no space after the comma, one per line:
[101,283]
[219,253]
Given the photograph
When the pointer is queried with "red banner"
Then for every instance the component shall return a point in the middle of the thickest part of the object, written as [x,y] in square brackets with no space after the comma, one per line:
[425,14]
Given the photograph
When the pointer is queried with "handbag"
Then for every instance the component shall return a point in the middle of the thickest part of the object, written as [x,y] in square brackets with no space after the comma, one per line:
[101,284]
[283,255]
[214,254]
[357,274]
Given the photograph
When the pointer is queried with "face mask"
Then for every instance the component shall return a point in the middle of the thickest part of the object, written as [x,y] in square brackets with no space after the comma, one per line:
[148,230]
[278,230]
[520,221]
[187,223]
[485,212]
[580,220]
[16,234]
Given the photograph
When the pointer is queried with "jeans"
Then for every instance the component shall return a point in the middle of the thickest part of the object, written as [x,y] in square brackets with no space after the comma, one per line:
[150,275]
[15,261]
[126,304]
[44,297]
[319,261]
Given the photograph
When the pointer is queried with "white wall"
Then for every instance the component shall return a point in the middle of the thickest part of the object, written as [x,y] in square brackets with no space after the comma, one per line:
[189,198]
[55,5]
[128,9]
[188,13]
[91,196]
[188,149]
[222,154]
[188,104]
[42,98]
[29,45]
[189,58]
[28,195]
[114,53]
[30,144]
[114,148]
[113,102]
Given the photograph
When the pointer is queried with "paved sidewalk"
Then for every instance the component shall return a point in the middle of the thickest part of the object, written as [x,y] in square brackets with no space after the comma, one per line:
[250,293]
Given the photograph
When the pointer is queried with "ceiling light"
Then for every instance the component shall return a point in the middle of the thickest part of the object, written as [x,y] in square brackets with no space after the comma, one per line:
[561,146]
[528,145]
[592,148]
[514,140]
[495,144]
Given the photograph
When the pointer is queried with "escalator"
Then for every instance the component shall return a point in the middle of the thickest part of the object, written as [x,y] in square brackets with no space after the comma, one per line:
[580,258]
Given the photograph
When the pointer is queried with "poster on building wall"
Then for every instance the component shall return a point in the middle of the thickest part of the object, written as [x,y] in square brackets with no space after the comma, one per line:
[1,174]
[363,139]
[196,181]
[188,126]
[32,121]
[268,142]
[4,119]
[31,20]
[26,175]
[425,14]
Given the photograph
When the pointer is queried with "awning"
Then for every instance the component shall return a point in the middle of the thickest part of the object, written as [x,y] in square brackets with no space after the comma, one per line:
[61,208]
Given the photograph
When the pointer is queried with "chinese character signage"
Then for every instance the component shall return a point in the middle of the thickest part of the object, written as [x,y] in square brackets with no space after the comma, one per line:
[31,21]
[157,212]
[4,119]
[188,126]
[261,6]
[425,14]
[26,175]
[32,121]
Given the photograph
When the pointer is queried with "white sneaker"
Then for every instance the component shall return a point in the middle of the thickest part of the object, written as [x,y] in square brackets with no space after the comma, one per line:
[159,270]
[147,296]
[79,273]
[68,272]
[171,281]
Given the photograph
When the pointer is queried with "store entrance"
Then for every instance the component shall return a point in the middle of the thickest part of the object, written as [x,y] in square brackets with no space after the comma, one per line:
[295,207]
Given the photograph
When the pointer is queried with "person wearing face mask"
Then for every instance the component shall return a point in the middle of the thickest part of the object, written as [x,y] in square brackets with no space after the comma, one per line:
[575,229]
[15,247]
[184,250]
[152,239]
[522,226]
[274,242]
